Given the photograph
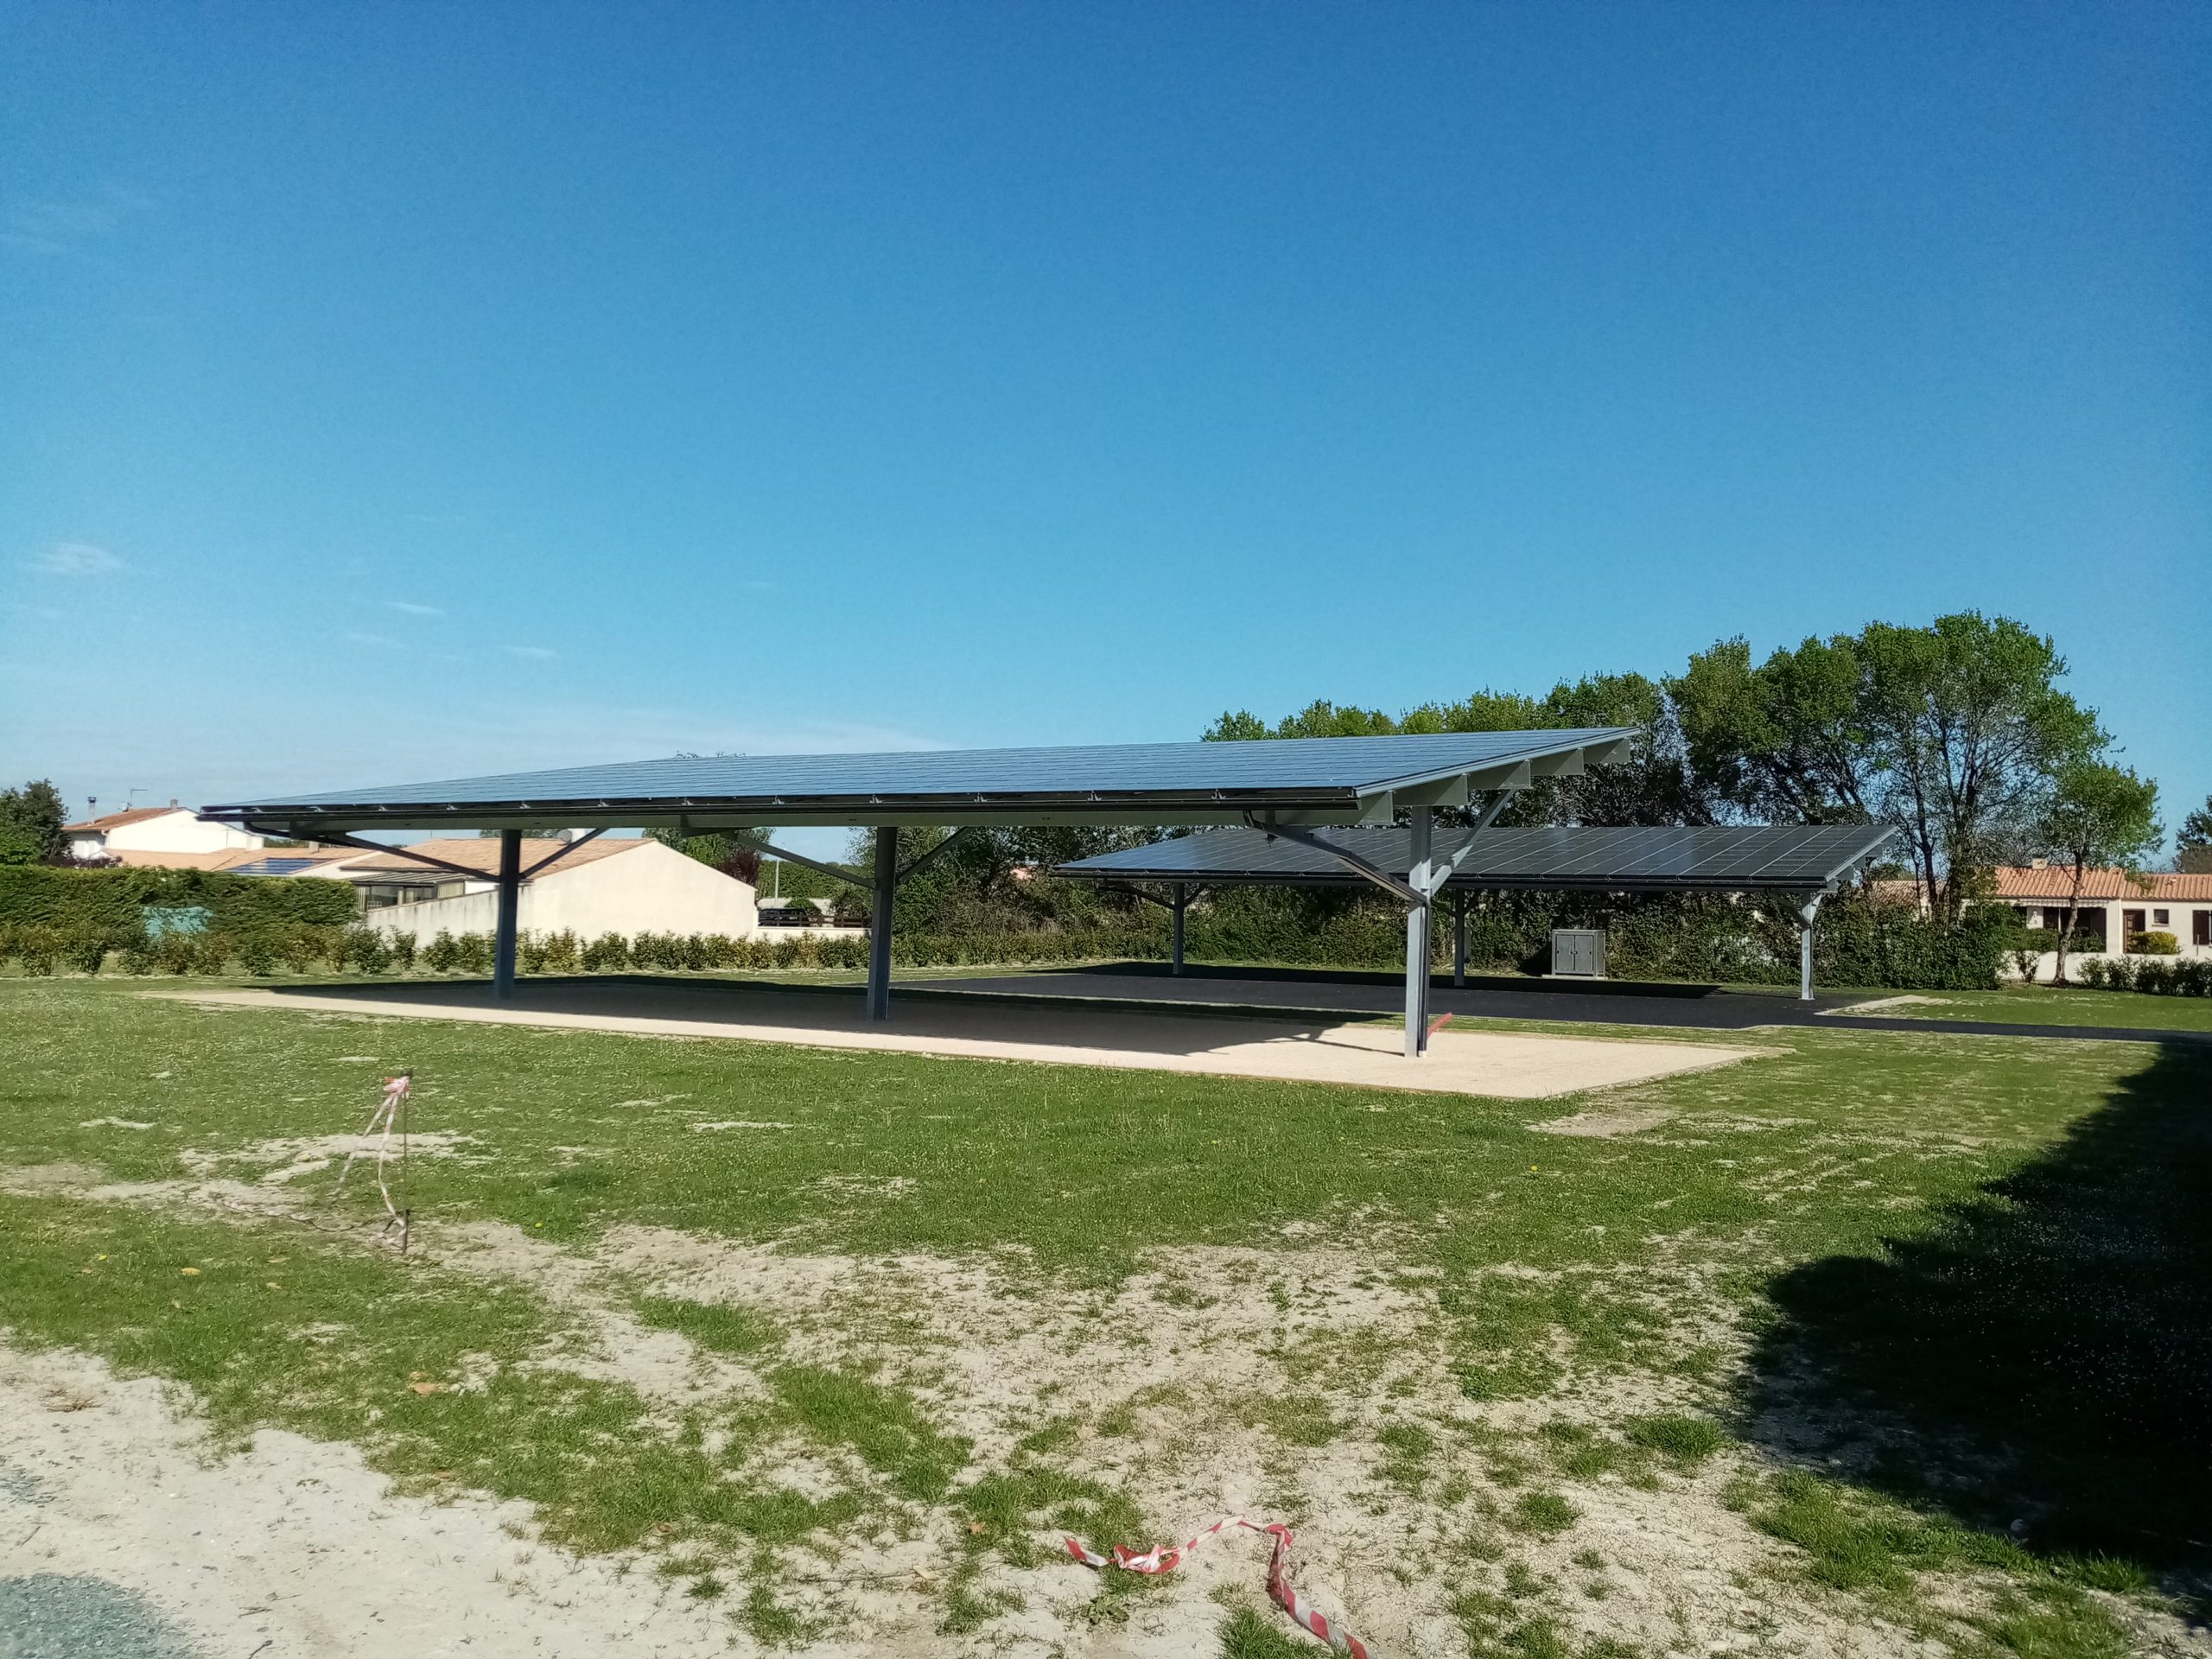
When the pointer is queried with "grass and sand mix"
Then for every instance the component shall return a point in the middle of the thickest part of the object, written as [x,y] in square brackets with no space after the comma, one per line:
[1873,1342]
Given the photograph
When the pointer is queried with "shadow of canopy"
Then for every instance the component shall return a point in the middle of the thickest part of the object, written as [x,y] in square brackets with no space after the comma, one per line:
[2041,1354]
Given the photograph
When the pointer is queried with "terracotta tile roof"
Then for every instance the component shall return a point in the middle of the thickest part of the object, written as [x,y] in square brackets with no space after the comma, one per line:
[482,853]
[100,826]
[2015,882]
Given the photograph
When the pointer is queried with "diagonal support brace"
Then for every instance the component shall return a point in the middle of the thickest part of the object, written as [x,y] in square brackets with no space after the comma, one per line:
[1351,861]
[837,870]
[1443,869]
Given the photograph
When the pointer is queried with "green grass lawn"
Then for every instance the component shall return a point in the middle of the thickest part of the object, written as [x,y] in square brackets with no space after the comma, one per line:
[2045,1005]
[1909,1290]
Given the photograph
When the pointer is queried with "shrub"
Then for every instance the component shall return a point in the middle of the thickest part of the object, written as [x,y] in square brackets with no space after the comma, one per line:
[2090,973]
[403,952]
[473,954]
[138,955]
[443,954]
[301,946]
[87,948]
[177,953]
[2156,943]
[38,947]
[2120,974]
[257,953]
[609,952]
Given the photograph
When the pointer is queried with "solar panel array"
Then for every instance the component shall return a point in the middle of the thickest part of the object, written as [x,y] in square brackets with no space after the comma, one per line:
[275,866]
[1319,769]
[1730,858]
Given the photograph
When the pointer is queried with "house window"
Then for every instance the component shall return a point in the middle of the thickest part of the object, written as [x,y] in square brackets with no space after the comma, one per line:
[2053,918]
[2162,919]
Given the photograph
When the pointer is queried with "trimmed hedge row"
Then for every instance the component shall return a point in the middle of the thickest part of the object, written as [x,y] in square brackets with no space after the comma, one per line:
[115,901]
[2158,976]
[1856,944]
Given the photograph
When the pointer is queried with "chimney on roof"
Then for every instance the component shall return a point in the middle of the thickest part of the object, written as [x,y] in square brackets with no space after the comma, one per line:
[2039,864]
[172,802]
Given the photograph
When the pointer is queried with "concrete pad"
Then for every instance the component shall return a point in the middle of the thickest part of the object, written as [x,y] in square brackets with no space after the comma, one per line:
[1513,1065]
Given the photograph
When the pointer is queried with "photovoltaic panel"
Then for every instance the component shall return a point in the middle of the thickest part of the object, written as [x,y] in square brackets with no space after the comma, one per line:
[1731,858]
[1225,779]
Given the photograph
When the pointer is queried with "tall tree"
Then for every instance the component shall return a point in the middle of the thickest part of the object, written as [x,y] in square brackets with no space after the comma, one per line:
[30,825]
[1782,739]
[1968,727]
[2099,815]
[2193,843]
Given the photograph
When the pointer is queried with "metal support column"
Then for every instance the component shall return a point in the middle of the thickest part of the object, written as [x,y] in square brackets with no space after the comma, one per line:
[503,944]
[1417,915]
[1175,927]
[1458,939]
[879,922]
[1805,948]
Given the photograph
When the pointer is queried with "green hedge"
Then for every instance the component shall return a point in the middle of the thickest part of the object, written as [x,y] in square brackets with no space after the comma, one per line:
[113,901]
[1695,939]
[2159,975]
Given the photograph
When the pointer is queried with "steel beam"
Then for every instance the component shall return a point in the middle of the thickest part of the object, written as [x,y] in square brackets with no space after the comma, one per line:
[1458,939]
[1805,915]
[1350,860]
[1417,915]
[936,852]
[837,870]
[565,848]
[879,923]
[1175,928]
[510,889]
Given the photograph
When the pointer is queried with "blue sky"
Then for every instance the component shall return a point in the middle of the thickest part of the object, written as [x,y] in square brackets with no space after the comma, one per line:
[391,391]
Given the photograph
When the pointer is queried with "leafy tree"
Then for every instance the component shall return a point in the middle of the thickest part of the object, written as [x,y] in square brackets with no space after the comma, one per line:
[1784,740]
[1967,729]
[1654,787]
[30,825]
[2098,815]
[1952,733]
[2193,843]
[1315,720]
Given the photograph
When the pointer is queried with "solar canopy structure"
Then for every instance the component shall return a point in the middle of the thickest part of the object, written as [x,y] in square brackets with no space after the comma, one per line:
[1290,787]
[1805,862]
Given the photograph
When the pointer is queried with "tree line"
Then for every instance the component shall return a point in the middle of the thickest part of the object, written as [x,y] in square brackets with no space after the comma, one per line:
[1958,734]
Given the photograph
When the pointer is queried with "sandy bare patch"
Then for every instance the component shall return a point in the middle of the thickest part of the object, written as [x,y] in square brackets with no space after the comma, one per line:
[1602,1124]
[293,1156]
[1507,1065]
[113,1123]
[735,1123]
[1909,1000]
[294,1549]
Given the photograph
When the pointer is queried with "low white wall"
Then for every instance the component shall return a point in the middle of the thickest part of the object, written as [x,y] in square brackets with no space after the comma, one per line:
[179,831]
[647,889]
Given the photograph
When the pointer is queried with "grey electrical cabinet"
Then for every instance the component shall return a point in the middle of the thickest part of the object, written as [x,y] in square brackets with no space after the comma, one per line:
[1580,951]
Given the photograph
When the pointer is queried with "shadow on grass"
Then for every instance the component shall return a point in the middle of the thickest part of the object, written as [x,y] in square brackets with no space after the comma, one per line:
[2039,1361]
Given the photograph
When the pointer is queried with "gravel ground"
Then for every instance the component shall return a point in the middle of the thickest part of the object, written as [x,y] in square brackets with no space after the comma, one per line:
[68,1616]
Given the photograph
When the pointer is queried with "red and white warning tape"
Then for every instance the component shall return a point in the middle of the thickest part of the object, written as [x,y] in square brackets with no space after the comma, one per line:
[389,1117]
[1166,1558]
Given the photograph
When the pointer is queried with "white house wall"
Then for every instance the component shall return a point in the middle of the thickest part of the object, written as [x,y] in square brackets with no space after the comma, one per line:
[649,888]
[181,831]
